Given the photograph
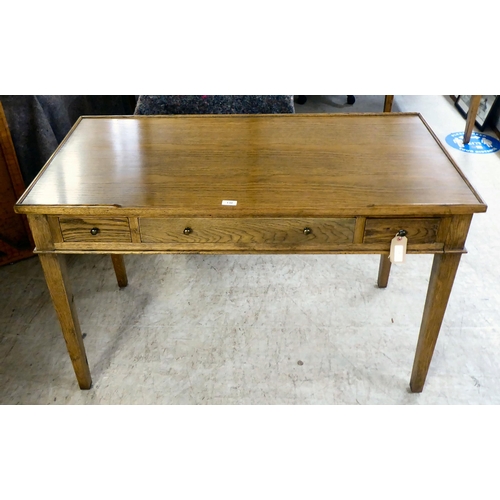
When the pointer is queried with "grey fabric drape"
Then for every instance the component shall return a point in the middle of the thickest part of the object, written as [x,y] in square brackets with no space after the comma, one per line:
[38,123]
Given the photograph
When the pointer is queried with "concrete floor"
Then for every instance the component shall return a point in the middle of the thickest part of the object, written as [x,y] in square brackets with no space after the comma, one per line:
[237,329]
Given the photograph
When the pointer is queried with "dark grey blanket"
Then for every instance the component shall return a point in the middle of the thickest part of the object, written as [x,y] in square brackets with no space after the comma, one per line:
[213,104]
[38,123]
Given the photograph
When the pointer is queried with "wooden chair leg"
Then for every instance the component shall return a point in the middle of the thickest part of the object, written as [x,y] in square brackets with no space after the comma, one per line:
[383,271]
[471,117]
[120,271]
[388,103]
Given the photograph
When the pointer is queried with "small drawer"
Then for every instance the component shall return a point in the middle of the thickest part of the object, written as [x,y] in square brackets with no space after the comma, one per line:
[98,230]
[257,233]
[419,231]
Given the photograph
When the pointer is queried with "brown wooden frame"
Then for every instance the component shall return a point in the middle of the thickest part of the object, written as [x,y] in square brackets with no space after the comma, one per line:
[327,206]
[12,251]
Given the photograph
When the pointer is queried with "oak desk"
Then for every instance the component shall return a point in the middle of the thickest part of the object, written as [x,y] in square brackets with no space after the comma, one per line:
[302,183]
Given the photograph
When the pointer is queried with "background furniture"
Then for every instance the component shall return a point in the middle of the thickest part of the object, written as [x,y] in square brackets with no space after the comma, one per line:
[475,101]
[471,117]
[389,99]
[15,236]
[302,99]
[213,104]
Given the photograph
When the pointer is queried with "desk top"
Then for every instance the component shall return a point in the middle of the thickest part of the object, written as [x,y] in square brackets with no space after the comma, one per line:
[272,165]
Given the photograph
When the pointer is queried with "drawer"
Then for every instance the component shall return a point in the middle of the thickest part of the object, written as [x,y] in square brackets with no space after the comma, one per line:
[97,230]
[248,233]
[419,231]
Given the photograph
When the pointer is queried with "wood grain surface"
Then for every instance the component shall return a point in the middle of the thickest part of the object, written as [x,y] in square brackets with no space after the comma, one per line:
[272,165]
[418,230]
[298,183]
[107,229]
[248,232]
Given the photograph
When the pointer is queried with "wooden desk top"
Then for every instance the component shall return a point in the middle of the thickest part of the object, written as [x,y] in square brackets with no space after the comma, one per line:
[272,165]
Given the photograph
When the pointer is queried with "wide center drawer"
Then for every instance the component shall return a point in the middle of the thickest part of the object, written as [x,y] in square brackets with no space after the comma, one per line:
[248,233]
[95,229]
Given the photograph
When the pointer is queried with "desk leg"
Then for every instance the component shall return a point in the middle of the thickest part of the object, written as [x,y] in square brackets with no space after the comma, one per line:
[54,267]
[384,271]
[444,269]
[120,271]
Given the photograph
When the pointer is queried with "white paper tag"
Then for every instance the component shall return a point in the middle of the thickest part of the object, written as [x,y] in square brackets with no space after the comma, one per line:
[398,249]
[231,203]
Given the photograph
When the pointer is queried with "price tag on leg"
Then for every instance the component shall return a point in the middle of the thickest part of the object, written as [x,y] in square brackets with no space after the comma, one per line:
[398,249]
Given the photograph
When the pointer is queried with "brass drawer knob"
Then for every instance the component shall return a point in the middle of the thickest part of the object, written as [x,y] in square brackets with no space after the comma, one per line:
[188,230]
[307,230]
[94,231]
